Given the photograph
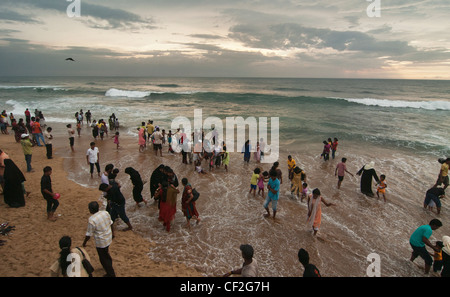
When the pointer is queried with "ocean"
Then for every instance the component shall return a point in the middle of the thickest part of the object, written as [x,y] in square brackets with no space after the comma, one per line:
[402,125]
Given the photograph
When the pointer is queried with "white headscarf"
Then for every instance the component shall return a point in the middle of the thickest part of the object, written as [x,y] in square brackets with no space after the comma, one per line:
[369,166]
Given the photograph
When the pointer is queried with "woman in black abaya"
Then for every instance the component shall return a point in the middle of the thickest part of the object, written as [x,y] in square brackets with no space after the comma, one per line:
[13,191]
[367,173]
[138,185]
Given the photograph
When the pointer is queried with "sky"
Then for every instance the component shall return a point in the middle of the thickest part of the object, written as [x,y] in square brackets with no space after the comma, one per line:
[396,39]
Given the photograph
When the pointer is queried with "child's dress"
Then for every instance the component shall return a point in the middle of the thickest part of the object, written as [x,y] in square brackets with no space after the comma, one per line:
[261,182]
[116,139]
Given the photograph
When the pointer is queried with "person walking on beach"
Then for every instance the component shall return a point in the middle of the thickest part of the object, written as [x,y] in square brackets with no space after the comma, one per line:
[49,195]
[419,238]
[48,142]
[326,151]
[246,150]
[368,173]
[93,158]
[116,139]
[341,169]
[188,203]
[157,144]
[37,132]
[117,202]
[433,196]
[250,266]
[138,185]
[315,210]
[334,146]
[381,189]
[141,139]
[71,133]
[273,187]
[99,226]
[12,182]
[167,195]
[443,174]
[27,151]
[291,165]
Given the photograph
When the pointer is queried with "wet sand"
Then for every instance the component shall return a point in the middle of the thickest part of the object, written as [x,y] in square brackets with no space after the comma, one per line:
[32,247]
[350,231]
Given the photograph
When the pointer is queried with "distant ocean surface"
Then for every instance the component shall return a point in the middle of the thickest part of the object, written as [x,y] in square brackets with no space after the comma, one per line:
[406,114]
[401,125]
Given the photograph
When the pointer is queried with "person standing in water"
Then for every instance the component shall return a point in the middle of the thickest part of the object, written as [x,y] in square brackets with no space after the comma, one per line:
[368,173]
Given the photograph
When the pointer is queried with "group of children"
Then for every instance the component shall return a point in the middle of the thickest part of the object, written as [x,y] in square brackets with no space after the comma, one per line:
[297,176]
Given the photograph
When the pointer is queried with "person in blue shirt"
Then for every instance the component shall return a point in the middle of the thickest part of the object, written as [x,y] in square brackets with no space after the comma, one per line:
[273,187]
[420,238]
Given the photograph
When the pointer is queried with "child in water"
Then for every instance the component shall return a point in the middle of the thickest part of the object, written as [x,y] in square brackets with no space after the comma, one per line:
[381,189]
[254,181]
[263,177]
[116,139]
[437,257]
[304,191]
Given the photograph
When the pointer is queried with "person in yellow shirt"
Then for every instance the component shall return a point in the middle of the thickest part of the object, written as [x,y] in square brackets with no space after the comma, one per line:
[291,166]
[443,174]
[27,151]
[254,181]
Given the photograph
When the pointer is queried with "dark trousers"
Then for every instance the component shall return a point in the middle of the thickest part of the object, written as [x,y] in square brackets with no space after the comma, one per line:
[49,150]
[52,204]
[97,165]
[106,261]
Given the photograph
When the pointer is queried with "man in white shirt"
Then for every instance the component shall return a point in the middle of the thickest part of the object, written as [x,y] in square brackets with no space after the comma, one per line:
[93,158]
[157,144]
[48,142]
[99,226]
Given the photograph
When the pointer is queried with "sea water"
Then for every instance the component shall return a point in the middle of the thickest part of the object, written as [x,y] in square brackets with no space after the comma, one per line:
[402,125]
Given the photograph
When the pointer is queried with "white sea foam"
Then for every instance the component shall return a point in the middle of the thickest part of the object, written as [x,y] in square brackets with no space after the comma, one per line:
[428,105]
[124,93]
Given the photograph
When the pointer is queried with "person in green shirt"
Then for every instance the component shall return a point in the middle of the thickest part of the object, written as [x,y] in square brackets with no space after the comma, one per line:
[420,238]
[27,151]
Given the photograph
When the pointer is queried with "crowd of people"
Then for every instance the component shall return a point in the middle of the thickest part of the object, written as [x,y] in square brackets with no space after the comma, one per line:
[164,186]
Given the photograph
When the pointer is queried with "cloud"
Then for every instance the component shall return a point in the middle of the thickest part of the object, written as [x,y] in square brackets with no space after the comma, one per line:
[7,15]
[93,15]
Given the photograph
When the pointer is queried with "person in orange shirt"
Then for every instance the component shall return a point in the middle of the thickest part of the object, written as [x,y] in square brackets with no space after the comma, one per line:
[37,132]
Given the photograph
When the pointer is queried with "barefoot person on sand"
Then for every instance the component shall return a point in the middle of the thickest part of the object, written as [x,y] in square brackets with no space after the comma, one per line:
[49,195]
[117,202]
[100,227]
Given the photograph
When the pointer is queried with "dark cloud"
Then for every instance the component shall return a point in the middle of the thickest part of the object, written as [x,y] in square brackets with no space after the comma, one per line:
[94,15]
[8,16]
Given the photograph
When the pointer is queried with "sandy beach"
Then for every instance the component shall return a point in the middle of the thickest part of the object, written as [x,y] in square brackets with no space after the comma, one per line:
[32,246]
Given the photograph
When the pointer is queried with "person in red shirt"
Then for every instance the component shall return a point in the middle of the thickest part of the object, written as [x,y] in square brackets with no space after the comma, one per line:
[334,147]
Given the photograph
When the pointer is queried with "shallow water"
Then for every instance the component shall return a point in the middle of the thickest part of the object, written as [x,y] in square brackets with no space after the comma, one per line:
[351,230]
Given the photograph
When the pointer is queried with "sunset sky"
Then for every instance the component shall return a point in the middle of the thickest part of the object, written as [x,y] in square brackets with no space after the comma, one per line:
[245,38]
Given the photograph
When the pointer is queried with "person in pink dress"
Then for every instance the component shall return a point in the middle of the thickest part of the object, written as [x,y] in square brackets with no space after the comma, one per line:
[141,139]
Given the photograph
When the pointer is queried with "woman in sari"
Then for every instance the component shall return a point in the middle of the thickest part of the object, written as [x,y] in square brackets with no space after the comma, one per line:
[168,206]
[187,203]
[315,210]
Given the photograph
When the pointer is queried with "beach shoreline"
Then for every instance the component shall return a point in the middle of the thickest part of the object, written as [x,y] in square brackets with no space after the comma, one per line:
[158,253]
